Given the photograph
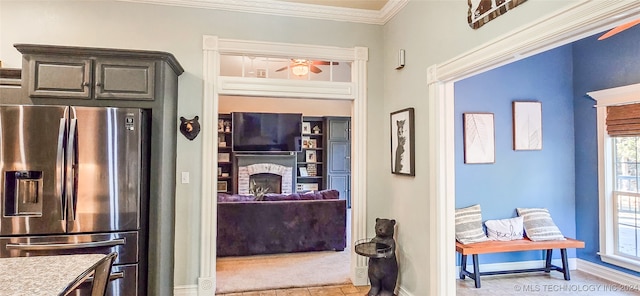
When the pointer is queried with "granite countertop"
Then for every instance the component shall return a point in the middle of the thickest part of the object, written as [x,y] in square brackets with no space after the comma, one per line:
[42,275]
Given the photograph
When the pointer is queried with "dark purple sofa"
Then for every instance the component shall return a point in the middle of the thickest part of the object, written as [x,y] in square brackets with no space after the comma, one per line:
[314,221]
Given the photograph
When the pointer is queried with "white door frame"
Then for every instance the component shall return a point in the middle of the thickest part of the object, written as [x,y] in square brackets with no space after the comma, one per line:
[216,85]
[577,21]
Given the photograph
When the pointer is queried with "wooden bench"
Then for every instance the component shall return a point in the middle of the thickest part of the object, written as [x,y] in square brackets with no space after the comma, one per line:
[515,246]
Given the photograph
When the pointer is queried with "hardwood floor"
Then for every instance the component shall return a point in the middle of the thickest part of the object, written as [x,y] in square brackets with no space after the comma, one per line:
[581,283]
[341,290]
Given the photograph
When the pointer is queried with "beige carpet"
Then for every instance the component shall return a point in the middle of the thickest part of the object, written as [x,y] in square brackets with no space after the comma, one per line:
[266,272]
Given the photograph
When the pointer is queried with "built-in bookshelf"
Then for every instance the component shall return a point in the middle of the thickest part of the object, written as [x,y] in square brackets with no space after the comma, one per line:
[225,154]
[310,160]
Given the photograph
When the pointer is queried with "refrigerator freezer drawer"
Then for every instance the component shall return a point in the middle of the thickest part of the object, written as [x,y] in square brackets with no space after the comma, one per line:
[122,281]
[125,243]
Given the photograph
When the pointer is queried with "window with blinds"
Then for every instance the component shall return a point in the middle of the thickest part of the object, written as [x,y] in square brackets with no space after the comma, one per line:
[623,120]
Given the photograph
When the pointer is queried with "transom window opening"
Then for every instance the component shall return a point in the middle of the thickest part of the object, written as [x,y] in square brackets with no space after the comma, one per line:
[290,68]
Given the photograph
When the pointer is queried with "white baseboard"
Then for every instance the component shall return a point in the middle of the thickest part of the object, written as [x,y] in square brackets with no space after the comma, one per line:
[607,273]
[189,290]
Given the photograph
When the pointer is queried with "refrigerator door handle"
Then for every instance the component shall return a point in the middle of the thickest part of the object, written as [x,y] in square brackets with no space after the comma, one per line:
[72,170]
[112,277]
[49,247]
[60,166]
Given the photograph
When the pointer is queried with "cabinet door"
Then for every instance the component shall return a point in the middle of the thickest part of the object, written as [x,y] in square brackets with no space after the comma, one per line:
[341,183]
[339,157]
[338,129]
[124,79]
[60,77]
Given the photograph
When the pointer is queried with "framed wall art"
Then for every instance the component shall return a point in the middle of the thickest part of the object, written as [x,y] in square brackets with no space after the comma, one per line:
[527,125]
[402,142]
[482,11]
[479,138]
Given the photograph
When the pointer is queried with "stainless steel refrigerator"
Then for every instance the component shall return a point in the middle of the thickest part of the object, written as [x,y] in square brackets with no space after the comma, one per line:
[75,180]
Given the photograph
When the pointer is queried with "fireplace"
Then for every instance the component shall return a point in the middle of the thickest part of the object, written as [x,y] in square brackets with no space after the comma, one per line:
[272,182]
[273,171]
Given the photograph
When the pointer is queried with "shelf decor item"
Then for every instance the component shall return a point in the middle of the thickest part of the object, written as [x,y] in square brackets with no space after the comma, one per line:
[310,156]
[313,143]
[222,186]
[316,129]
[224,157]
[479,138]
[312,169]
[527,125]
[402,142]
[303,172]
[306,127]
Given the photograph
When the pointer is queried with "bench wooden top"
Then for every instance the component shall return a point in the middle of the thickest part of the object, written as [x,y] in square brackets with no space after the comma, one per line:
[516,245]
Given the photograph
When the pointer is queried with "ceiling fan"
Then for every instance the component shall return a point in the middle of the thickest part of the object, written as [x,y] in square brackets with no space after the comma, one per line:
[619,29]
[301,67]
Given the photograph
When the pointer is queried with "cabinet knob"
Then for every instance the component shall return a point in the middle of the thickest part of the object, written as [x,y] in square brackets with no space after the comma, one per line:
[99,84]
[85,84]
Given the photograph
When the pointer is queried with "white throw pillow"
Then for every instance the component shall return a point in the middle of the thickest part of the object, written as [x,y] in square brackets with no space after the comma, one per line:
[538,224]
[504,229]
[469,225]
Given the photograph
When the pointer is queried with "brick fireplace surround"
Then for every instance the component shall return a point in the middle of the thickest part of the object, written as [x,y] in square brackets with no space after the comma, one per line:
[281,165]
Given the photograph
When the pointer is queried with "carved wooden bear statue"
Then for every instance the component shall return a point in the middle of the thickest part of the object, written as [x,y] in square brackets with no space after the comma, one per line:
[189,127]
[383,272]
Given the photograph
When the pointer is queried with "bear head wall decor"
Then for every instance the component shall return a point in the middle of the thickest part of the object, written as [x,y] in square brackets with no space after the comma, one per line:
[189,127]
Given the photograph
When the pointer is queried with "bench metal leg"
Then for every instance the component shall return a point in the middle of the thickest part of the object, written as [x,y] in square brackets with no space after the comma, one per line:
[565,264]
[463,265]
[547,265]
[476,270]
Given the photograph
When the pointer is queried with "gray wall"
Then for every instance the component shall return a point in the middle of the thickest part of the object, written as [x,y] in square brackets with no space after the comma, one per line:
[179,31]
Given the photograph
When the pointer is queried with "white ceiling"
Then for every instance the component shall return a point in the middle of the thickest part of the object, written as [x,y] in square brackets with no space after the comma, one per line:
[357,11]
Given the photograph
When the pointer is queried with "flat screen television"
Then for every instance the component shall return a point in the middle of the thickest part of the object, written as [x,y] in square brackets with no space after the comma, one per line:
[266,132]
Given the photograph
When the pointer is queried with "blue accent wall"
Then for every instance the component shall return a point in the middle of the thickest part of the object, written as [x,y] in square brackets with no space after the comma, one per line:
[598,65]
[541,178]
[563,176]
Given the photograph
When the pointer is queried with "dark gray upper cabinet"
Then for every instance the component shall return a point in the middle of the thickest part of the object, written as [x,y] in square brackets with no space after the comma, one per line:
[126,79]
[114,74]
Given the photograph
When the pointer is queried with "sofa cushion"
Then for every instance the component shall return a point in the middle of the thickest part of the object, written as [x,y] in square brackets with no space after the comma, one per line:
[538,224]
[277,197]
[224,197]
[330,194]
[469,225]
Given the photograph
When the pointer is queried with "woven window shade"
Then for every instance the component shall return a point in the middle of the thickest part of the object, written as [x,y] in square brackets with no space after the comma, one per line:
[623,120]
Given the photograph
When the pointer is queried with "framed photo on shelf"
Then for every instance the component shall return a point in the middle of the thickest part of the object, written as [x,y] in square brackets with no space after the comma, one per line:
[306,127]
[224,157]
[402,142]
[303,172]
[313,143]
[305,141]
[310,156]
[222,186]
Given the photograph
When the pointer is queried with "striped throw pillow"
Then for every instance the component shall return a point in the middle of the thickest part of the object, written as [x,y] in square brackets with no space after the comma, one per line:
[469,225]
[538,224]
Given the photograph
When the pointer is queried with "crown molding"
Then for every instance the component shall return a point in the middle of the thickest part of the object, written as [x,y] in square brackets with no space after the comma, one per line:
[290,9]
